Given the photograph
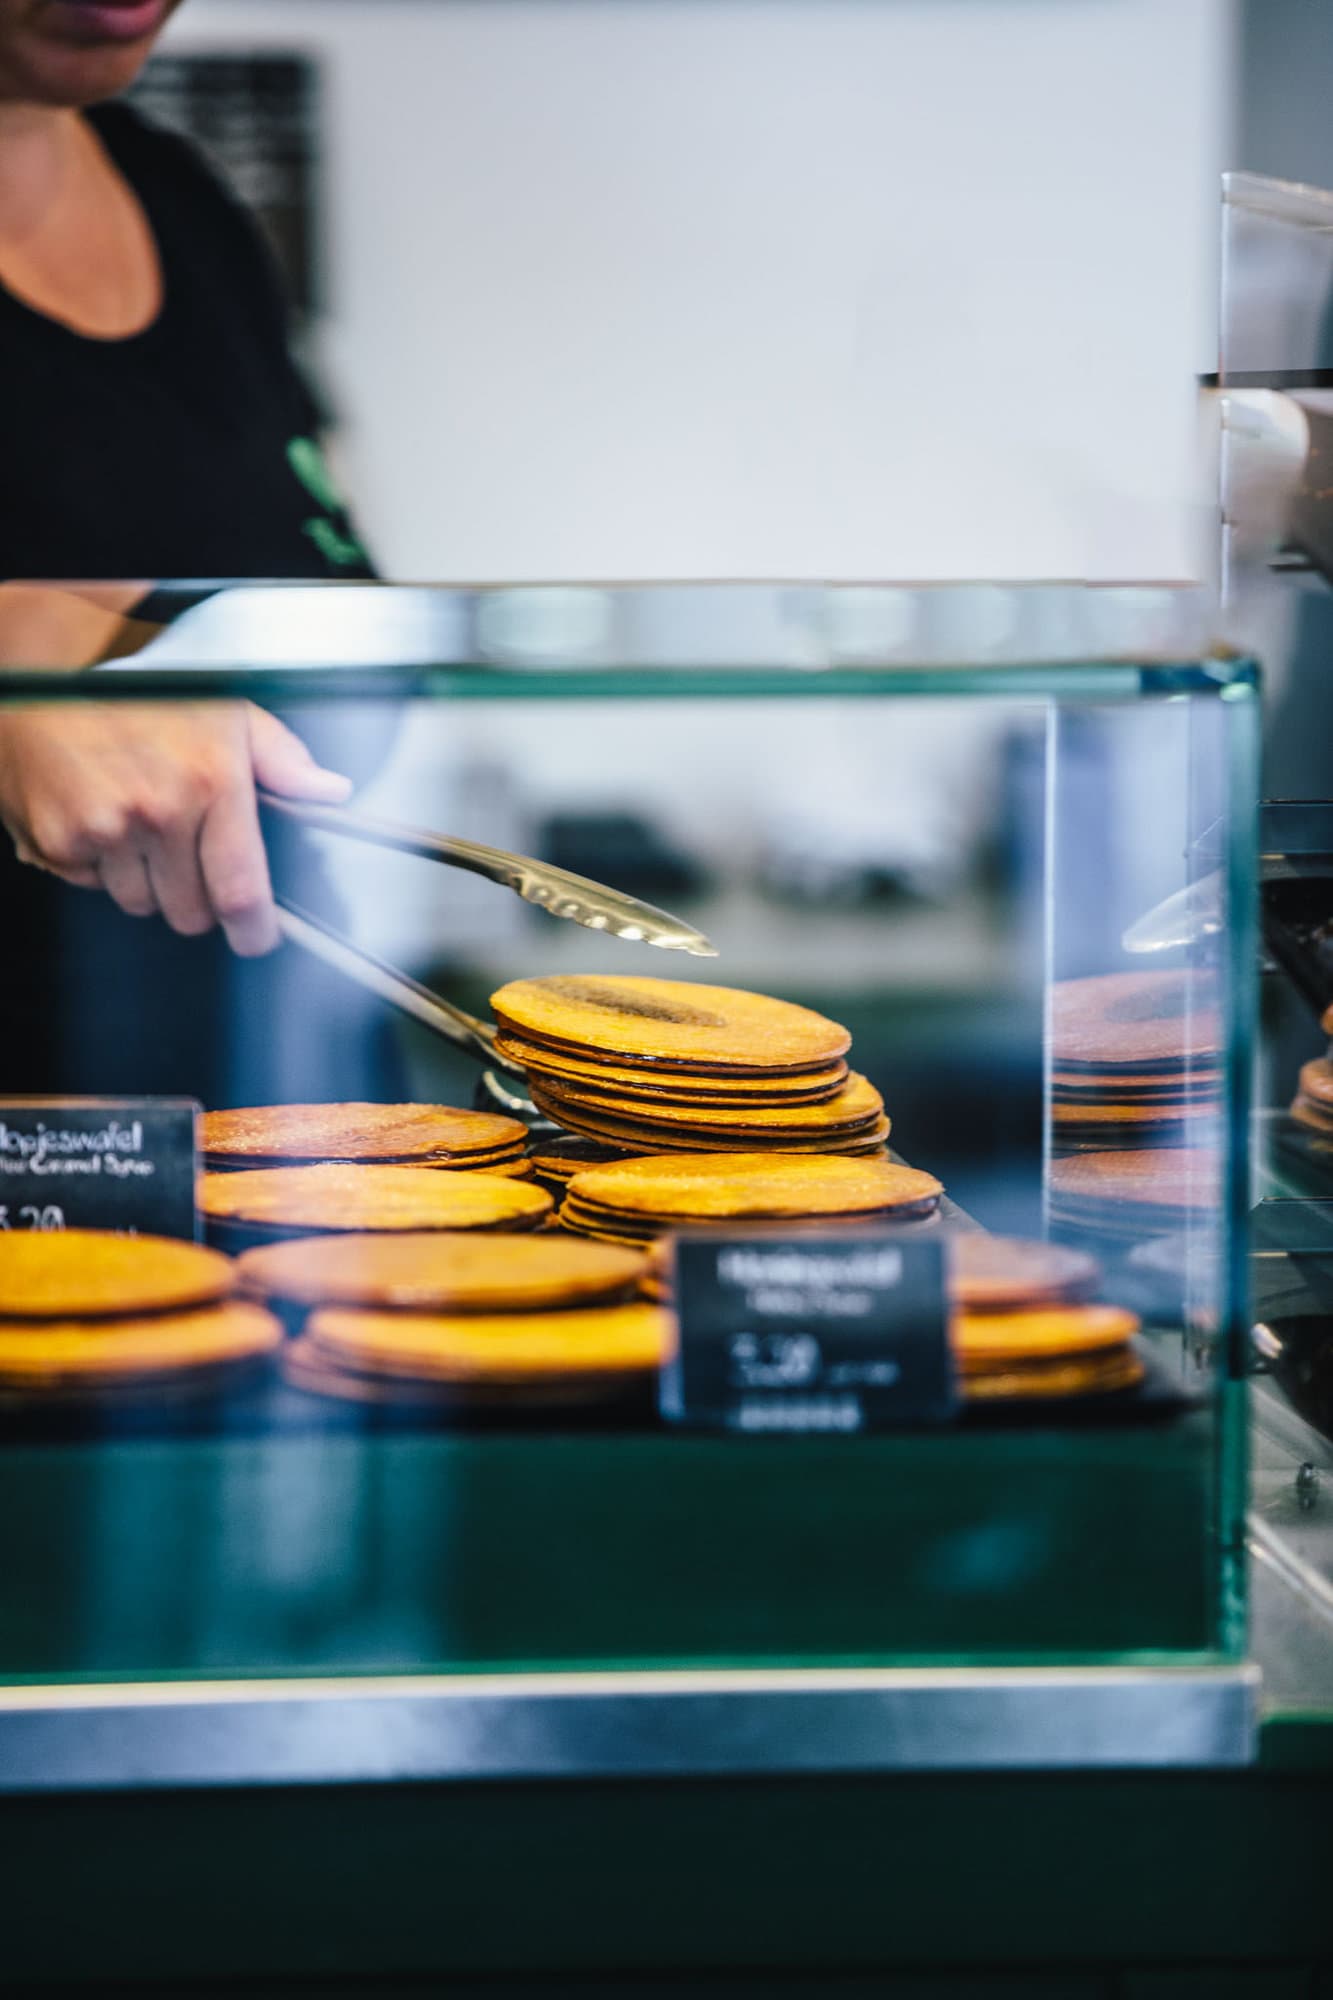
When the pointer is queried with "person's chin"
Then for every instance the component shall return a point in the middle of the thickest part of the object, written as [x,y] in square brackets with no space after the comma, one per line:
[88,50]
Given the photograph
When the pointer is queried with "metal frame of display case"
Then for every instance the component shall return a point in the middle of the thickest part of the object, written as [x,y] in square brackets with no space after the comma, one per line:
[612,1725]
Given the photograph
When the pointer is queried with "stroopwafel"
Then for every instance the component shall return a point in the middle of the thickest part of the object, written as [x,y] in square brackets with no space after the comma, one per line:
[985,1341]
[402,1134]
[68,1356]
[438,1272]
[669,1189]
[371,1197]
[85,1273]
[670,1024]
[695,1087]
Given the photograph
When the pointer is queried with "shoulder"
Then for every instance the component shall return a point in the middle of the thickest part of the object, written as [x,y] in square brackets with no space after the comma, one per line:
[149,154]
[176,185]
[189,205]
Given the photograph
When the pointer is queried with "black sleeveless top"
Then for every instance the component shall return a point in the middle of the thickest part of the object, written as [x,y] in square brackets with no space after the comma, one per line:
[187,450]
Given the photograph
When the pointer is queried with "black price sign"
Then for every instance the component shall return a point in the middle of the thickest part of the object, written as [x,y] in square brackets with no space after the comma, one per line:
[126,1164]
[810,1333]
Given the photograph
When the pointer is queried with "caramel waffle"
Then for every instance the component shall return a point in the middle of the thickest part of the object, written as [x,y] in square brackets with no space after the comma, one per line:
[333,1197]
[592,1076]
[403,1134]
[668,1190]
[854,1111]
[644,1135]
[438,1272]
[68,1356]
[670,1024]
[86,1273]
[1001,1340]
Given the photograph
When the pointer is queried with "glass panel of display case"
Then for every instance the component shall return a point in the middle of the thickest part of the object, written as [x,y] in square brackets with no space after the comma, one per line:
[975,865]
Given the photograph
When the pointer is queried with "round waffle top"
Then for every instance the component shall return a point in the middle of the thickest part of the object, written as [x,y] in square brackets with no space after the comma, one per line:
[438,1271]
[669,1022]
[1120,1019]
[356,1132]
[498,1347]
[753,1184]
[84,1273]
[1179,1177]
[69,1352]
[1005,1273]
[372,1198]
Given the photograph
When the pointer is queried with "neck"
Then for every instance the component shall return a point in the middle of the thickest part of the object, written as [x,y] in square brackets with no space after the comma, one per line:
[38,144]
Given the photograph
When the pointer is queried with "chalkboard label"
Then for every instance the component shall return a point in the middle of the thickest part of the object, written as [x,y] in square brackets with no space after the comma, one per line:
[810,1333]
[124,1163]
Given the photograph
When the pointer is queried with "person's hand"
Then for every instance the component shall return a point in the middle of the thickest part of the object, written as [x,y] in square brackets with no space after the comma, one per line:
[155,803]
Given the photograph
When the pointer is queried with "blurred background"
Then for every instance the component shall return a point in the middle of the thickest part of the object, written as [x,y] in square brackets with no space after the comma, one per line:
[833,288]
[823,289]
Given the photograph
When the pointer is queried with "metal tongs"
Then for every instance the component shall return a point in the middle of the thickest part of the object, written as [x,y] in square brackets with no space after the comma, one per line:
[554,890]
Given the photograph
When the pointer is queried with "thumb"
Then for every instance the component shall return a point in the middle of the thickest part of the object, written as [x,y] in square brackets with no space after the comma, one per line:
[282,763]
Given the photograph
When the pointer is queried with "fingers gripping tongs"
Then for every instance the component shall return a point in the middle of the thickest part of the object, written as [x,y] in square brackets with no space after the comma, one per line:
[554,890]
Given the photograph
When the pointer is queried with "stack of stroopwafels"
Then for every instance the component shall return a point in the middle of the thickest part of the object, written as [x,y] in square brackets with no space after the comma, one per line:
[462,1321]
[658,1065]
[418,1135]
[1136,1061]
[92,1318]
[1022,1327]
[637,1200]
[268,1203]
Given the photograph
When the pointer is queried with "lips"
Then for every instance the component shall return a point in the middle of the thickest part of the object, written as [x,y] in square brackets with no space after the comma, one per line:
[91,21]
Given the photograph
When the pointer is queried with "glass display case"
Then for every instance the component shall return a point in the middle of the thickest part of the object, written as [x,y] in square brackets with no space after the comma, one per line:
[490,1335]
[1275,379]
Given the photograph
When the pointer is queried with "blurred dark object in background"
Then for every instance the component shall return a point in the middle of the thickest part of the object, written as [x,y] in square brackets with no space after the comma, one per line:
[256,120]
[623,850]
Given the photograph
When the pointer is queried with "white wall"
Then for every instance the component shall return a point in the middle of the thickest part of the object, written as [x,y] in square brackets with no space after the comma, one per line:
[766,287]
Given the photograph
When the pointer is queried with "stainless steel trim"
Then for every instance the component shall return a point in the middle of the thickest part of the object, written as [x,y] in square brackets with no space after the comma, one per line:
[552,1726]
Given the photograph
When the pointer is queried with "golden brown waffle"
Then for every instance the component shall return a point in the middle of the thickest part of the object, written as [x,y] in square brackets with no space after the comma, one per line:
[73,1354]
[439,1272]
[991,1340]
[734,1186]
[372,1197]
[81,1273]
[497,1348]
[644,1135]
[670,1023]
[694,1087]
[403,1133]
[854,1111]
